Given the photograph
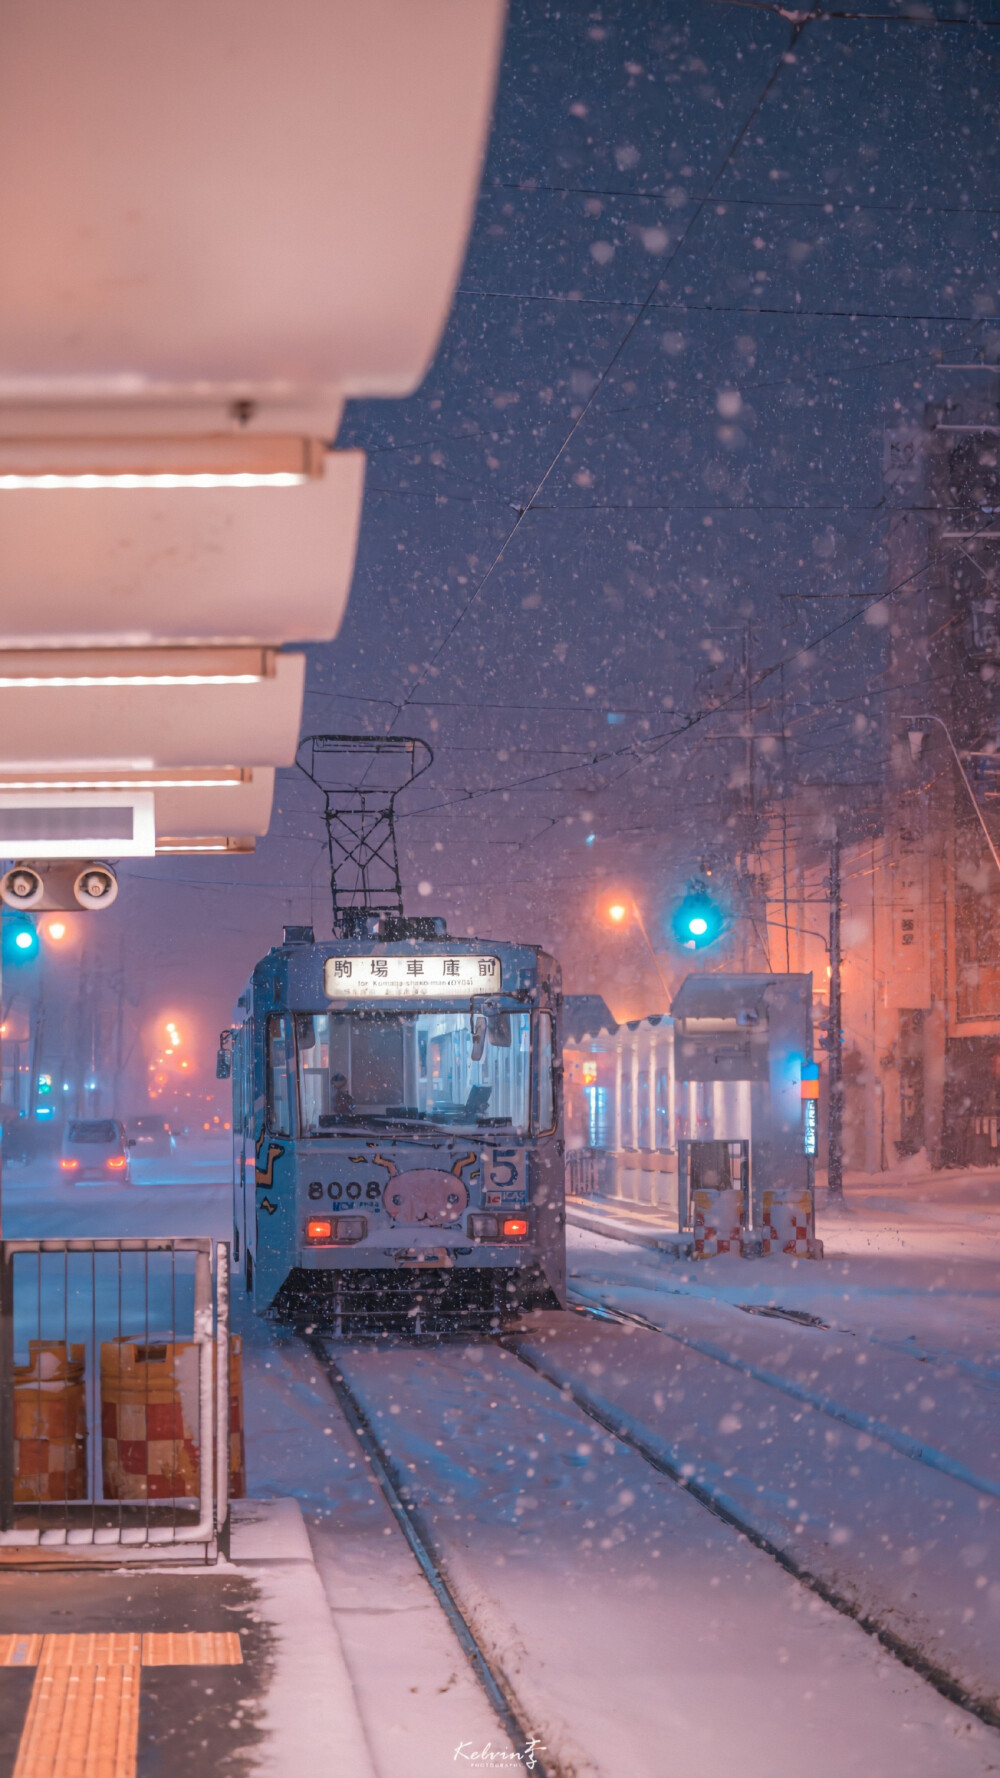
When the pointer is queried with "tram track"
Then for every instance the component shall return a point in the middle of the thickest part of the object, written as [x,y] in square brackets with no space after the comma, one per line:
[681,1470]
[677,1466]
[393,1486]
[917,1450]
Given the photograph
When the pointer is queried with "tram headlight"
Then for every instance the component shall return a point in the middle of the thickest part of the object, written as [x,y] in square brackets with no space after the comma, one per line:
[484,1228]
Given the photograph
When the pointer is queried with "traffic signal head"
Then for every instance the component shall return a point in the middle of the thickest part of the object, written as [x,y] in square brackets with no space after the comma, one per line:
[698,920]
[20,939]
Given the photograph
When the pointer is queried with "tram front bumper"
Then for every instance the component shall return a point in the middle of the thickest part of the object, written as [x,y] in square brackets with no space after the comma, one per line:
[321,1255]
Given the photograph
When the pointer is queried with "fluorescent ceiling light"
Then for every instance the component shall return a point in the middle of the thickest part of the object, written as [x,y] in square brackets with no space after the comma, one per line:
[28,669]
[208,843]
[242,480]
[196,778]
[213,460]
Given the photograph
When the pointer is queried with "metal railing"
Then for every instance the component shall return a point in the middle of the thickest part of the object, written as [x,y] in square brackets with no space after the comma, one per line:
[584,1172]
[114,1396]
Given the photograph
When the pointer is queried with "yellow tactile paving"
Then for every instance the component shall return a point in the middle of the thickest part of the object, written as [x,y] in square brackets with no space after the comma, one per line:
[92,1649]
[20,1651]
[83,1722]
[83,1718]
[191,1648]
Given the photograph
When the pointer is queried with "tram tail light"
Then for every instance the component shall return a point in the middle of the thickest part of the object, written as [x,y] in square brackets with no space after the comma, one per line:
[335,1231]
[499,1228]
[69,1166]
[117,1162]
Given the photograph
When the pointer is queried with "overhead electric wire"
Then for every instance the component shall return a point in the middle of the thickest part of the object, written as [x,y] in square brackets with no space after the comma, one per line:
[602,379]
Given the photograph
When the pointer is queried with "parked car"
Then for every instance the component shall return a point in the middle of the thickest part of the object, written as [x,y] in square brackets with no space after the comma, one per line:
[150,1138]
[95,1148]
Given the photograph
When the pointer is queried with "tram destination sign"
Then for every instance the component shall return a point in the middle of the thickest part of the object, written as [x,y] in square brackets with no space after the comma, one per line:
[410,978]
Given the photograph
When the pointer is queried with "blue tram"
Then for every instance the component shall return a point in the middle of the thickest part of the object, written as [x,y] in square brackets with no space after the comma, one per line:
[398,1152]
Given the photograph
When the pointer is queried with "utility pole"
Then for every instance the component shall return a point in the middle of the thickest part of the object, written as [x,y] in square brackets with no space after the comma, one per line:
[835,1173]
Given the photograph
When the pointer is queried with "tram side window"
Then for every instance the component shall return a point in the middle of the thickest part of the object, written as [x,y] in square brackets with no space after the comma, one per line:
[545,1100]
[279,1062]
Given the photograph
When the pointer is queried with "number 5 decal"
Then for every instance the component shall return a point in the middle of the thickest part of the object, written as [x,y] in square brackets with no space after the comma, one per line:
[502,1172]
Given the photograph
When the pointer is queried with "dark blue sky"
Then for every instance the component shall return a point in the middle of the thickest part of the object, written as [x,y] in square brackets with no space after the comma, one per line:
[713,259]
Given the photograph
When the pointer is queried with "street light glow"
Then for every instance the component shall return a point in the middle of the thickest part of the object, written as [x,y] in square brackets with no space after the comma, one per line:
[697,926]
[616,912]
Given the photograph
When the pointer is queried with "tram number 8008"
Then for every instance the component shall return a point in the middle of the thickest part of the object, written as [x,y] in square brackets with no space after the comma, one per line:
[353,1190]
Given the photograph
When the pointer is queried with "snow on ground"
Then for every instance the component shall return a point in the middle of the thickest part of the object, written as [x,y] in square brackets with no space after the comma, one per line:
[640,1633]
[416,1693]
[914,1211]
[788,1431]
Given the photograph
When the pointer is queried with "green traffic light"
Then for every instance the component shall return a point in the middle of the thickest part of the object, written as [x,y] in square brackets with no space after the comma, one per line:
[698,920]
[20,939]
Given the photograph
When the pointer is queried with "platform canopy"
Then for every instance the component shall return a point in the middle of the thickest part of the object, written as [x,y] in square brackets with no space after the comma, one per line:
[223,219]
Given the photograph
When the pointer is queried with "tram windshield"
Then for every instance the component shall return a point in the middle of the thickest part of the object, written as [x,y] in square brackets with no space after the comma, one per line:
[443,1068]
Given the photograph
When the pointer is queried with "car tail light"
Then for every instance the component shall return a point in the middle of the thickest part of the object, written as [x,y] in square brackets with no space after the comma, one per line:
[116,1160]
[515,1228]
[68,1166]
[334,1231]
[484,1228]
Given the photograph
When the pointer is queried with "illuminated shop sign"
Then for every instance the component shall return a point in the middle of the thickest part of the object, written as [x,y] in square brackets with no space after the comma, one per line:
[810,1106]
[410,978]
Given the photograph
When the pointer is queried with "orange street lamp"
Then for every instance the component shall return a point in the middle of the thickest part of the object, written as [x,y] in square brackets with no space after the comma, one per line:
[619,912]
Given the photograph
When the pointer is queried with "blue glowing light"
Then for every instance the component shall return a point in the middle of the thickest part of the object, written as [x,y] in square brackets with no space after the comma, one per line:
[697,920]
[20,939]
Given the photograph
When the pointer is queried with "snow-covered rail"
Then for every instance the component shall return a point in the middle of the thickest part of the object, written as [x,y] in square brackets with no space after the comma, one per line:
[867,1424]
[603,1599]
[725,1507]
[394,1489]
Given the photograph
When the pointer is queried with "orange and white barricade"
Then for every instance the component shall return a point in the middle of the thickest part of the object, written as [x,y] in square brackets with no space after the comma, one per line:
[50,1423]
[717,1216]
[788,1224]
[149,1419]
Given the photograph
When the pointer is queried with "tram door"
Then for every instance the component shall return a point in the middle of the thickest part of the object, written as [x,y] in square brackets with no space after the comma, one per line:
[244,1194]
[239,1147]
